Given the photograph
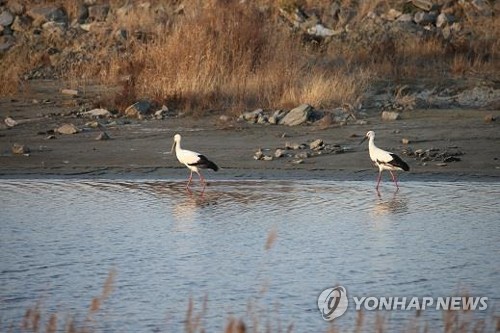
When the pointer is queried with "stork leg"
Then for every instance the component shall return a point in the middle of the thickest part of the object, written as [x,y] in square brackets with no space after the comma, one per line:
[394,179]
[203,181]
[378,179]
[189,181]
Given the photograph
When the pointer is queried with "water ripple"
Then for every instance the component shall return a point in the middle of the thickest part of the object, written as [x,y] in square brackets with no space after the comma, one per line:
[59,239]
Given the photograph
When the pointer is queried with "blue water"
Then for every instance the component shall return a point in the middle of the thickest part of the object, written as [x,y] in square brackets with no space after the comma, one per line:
[258,250]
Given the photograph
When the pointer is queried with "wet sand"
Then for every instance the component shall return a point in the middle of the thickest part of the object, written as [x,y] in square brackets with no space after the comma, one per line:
[141,148]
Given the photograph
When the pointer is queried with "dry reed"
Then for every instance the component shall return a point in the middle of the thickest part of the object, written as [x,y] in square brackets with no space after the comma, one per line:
[232,55]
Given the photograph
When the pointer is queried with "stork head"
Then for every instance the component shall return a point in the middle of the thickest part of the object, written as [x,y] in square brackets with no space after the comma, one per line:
[177,140]
[369,135]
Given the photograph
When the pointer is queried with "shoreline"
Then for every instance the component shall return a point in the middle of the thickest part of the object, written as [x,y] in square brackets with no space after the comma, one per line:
[227,175]
[141,148]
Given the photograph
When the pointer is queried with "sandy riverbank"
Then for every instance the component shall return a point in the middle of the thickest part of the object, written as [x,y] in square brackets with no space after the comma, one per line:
[140,148]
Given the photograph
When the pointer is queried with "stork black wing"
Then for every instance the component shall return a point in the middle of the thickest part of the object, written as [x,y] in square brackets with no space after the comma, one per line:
[398,162]
[205,163]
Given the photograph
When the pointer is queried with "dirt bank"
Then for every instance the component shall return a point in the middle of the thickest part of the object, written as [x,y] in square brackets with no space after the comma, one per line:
[141,147]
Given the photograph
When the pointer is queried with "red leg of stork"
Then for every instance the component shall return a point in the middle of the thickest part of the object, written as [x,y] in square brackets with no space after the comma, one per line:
[189,181]
[378,179]
[394,179]
[203,181]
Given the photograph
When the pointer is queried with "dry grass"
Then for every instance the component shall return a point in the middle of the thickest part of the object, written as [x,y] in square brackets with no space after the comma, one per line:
[34,318]
[229,55]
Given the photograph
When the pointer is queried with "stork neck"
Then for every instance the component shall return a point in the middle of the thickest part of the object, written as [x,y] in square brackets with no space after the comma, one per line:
[371,143]
[178,146]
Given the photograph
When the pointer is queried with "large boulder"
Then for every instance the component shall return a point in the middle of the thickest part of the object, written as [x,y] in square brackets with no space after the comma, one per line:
[297,116]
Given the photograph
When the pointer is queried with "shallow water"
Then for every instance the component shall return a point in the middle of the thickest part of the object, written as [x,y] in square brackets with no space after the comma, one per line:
[59,239]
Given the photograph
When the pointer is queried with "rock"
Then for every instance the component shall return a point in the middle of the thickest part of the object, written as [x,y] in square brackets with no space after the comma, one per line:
[97,113]
[424,18]
[393,14]
[262,119]
[390,116]
[405,141]
[98,12]
[6,18]
[224,118]
[10,122]
[405,18]
[258,155]
[294,146]
[138,110]
[277,116]
[316,144]
[102,136]
[21,23]
[443,20]
[279,153]
[54,29]
[340,150]
[50,131]
[162,113]
[449,159]
[44,14]
[487,119]
[298,161]
[67,129]
[6,43]
[479,96]
[326,121]
[297,116]
[320,30]
[71,92]
[252,116]
[50,137]
[86,26]
[482,7]
[422,4]
[441,164]
[93,124]
[19,149]
[302,155]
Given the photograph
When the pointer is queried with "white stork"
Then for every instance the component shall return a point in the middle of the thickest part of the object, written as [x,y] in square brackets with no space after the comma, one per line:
[194,161]
[384,160]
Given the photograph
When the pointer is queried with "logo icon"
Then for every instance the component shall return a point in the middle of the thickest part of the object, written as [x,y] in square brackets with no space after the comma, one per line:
[332,303]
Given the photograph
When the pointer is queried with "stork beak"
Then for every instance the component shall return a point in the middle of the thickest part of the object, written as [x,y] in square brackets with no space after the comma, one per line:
[364,139]
[172,150]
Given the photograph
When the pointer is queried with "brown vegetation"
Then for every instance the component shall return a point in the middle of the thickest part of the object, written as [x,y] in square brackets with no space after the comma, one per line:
[232,55]
[35,320]
[34,316]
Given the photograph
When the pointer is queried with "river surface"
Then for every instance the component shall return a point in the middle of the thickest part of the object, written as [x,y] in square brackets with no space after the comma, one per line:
[258,250]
